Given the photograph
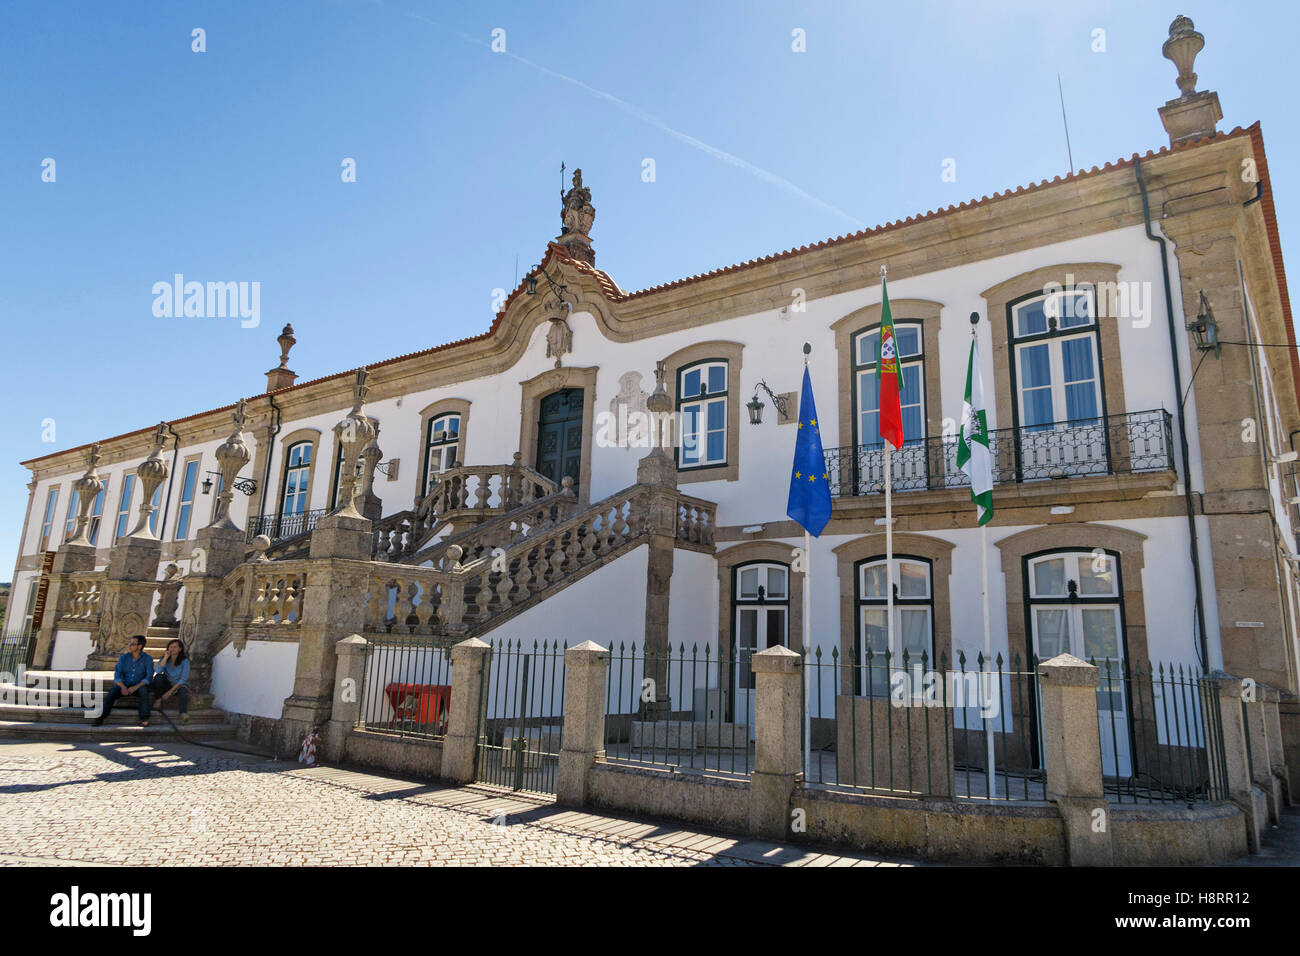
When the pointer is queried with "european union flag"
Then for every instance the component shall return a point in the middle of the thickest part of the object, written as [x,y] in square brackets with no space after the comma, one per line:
[810,490]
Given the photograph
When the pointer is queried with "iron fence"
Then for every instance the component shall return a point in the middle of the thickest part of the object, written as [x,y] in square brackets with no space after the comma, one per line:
[280,526]
[691,710]
[1168,747]
[406,686]
[15,649]
[1116,444]
[913,726]
[522,724]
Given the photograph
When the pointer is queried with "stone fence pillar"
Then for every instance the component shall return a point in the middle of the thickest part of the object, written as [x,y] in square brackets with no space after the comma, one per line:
[349,676]
[778,756]
[586,669]
[469,662]
[1072,757]
[1261,750]
[1235,754]
[1276,752]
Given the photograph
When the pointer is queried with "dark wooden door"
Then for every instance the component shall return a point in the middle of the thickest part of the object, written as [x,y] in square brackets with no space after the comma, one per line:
[559,435]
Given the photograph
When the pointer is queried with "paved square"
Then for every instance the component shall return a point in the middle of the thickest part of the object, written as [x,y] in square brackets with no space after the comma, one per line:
[73,803]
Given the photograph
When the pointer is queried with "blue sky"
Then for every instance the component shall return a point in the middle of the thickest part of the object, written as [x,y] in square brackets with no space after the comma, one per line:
[225,165]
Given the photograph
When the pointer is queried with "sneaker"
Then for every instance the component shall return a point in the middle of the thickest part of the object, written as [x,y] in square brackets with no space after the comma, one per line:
[145,722]
[185,718]
[98,721]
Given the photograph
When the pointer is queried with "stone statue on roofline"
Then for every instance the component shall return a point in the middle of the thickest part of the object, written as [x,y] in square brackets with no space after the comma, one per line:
[577,215]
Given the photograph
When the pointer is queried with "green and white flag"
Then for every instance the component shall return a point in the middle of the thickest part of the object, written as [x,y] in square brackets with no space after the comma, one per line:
[973,455]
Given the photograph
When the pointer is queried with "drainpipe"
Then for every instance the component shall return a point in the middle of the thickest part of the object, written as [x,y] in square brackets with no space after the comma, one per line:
[1202,643]
[270,449]
[171,477]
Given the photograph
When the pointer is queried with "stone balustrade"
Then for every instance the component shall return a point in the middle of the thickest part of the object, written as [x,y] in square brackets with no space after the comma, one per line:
[80,600]
[268,594]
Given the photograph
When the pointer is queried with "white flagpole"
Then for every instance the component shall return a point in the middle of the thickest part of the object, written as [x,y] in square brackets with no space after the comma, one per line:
[988,655]
[807,655]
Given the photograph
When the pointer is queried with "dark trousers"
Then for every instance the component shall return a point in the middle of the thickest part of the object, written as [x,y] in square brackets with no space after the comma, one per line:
[162,685]
[115,692]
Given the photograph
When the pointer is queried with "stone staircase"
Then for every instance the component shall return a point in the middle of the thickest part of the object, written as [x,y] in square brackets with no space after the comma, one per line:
[49,703]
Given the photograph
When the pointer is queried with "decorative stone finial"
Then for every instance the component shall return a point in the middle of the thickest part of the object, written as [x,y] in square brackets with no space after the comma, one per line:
[88,487]
[232,455]
[152,472]
[1181,47]
[577,215]
[261,544]
[287,341]
[281,376]
[1192,115]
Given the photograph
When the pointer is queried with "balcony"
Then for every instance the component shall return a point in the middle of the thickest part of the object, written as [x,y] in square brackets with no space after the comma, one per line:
[1132,443]
[278,527]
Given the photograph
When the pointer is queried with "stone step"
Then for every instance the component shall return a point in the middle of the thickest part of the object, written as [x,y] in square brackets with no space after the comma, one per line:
[158,729]
[122,714]
[64,688]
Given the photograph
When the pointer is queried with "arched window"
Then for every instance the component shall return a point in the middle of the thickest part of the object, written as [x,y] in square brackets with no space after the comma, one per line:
[297,475]
[913,619]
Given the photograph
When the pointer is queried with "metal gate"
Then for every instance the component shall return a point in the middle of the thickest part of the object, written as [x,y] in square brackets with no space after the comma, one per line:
[522,719]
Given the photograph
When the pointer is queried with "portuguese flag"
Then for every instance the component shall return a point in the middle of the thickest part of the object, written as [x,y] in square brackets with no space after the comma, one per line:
[891,413]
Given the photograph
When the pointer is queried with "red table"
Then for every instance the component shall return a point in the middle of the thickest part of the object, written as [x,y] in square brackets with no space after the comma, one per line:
[419,703]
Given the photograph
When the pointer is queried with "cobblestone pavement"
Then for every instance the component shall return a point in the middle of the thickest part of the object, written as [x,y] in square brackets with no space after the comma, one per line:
[120,803]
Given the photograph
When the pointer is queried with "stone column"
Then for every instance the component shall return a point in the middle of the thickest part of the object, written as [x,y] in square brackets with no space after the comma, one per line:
[657,473]
[333,607]
[586,668]
[348,679]
[1072,756]
[778,756]
[218,549]
[469,662]
[1238,783]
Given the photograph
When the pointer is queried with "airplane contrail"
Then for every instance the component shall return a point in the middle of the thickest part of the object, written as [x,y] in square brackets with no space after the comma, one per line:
[652,120]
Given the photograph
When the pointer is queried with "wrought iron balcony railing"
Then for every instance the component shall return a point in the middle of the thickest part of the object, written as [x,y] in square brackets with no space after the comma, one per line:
[278,527]
[1117,444]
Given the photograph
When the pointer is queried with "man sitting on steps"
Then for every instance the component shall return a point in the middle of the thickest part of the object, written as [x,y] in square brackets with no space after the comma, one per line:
[131,676]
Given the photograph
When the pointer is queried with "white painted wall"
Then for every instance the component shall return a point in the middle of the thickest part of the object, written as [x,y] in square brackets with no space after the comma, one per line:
[256,682]
[71,648]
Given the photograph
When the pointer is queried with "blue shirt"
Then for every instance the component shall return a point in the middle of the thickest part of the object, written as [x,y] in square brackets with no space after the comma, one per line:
[131,672]
[177,674]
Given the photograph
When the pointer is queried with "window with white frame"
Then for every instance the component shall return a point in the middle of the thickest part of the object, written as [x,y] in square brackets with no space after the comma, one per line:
[761,614]
[702,396]
[1057,359]
[913,620]
[189,483]
[441,447]
[124,507]
[47,522]
[866,382]
[297,474]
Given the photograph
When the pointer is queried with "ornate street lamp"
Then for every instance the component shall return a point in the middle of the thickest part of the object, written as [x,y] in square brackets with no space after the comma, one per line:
[1205,331]
[755,405]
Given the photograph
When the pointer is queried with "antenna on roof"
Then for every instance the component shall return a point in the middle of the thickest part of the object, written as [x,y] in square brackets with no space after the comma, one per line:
[1066,122]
